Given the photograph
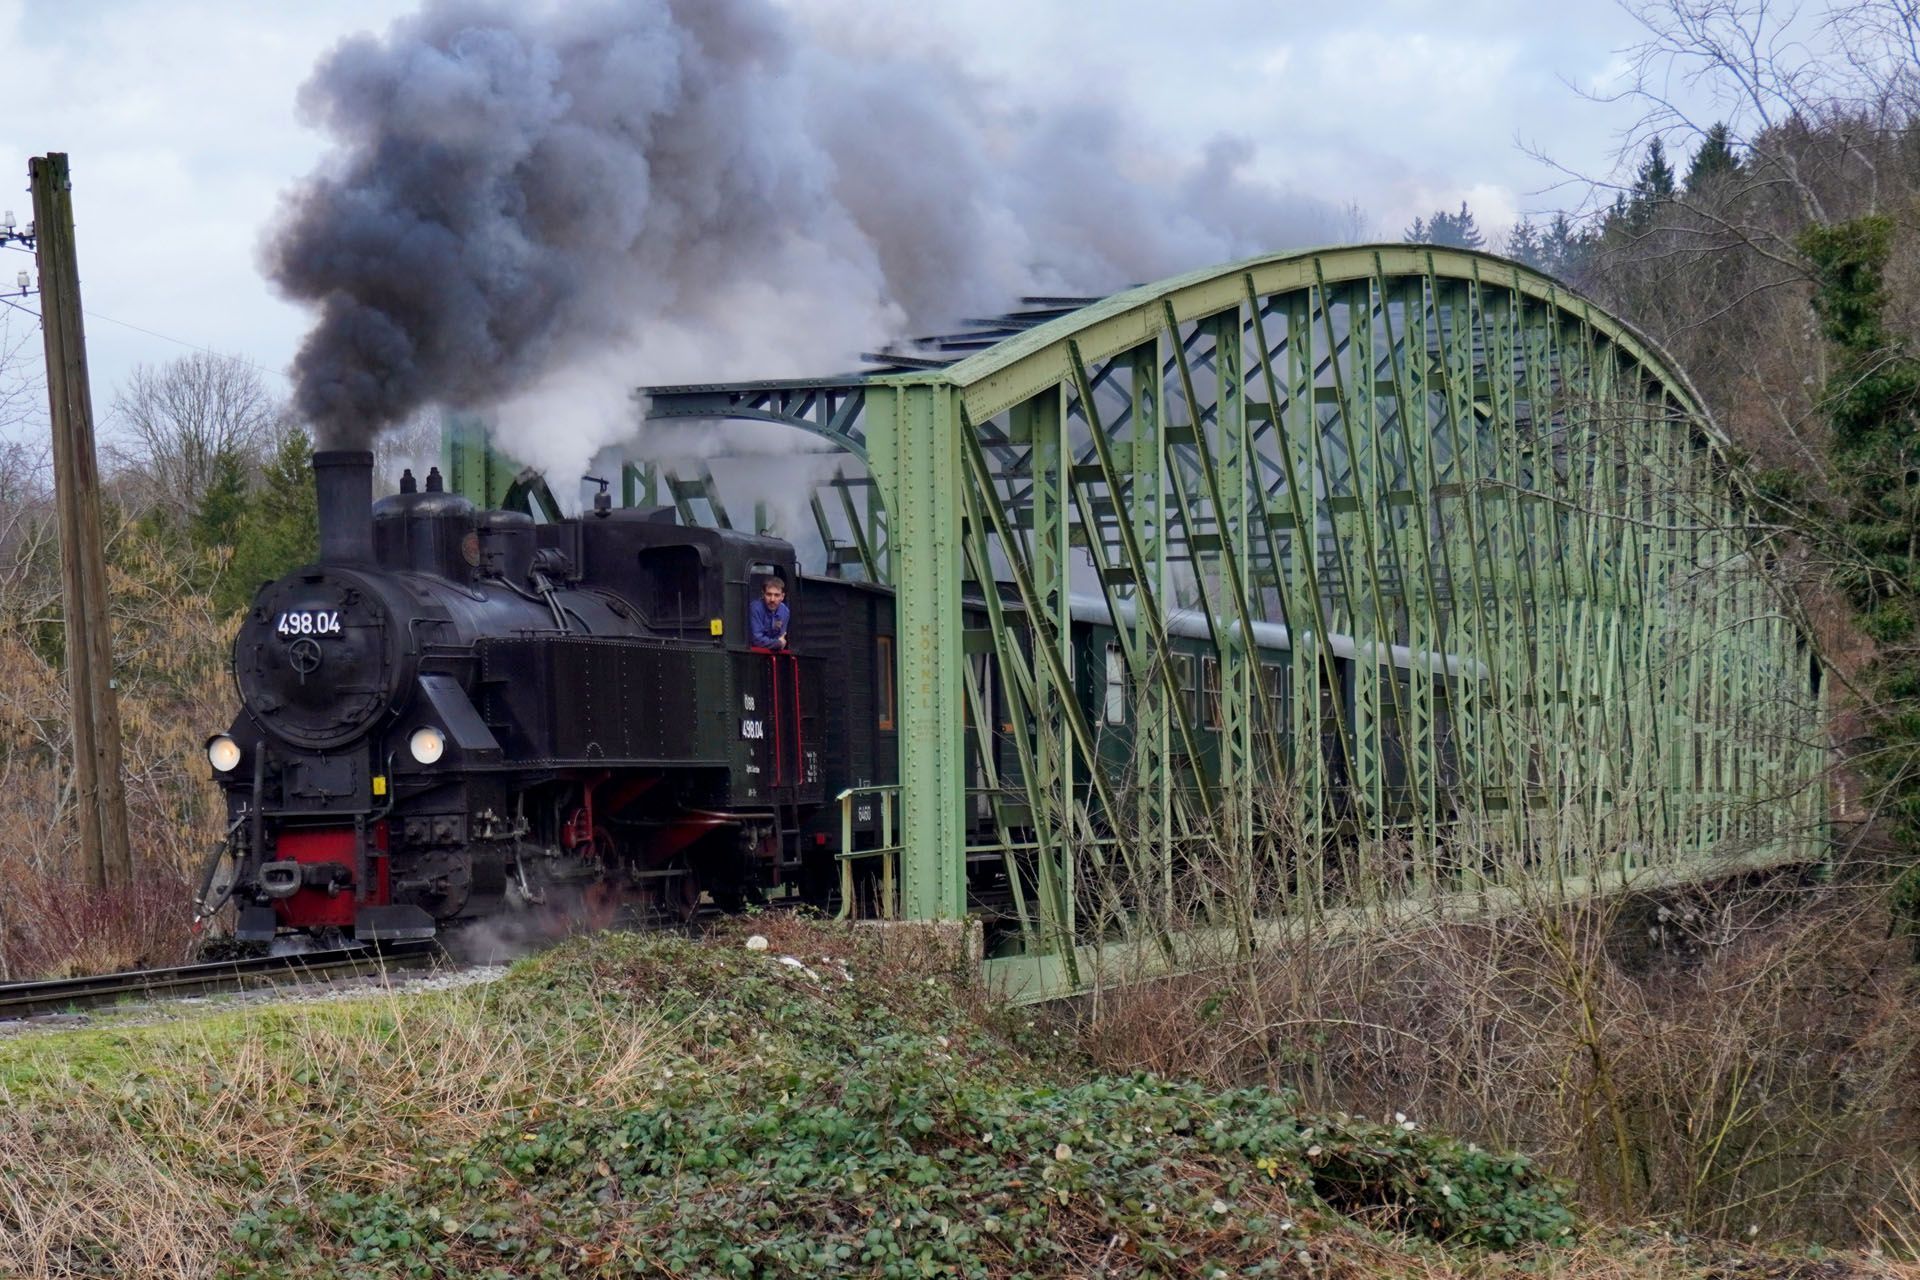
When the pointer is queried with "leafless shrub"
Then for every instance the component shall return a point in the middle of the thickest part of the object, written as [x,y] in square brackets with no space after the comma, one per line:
[171,647]
[171,428]
[1745,1055]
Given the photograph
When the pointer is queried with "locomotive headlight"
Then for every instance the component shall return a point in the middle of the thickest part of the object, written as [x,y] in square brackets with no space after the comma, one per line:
[427,745]
[223,753]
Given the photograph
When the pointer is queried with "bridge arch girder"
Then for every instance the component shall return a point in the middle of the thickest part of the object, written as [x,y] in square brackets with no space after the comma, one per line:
[1376,451]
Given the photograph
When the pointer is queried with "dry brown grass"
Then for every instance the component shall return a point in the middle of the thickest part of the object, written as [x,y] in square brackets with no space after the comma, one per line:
[121,1152]
[1754,1063]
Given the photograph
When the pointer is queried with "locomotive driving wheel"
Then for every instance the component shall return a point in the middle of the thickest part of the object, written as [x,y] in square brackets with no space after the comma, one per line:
[675,893]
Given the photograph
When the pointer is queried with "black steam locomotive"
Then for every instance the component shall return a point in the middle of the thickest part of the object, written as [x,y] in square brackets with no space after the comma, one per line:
[457,712]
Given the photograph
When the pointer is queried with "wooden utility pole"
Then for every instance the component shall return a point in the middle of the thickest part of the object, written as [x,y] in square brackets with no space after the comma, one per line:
[100,794]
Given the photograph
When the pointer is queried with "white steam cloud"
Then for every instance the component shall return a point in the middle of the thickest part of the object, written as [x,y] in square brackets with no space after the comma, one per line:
[531,211]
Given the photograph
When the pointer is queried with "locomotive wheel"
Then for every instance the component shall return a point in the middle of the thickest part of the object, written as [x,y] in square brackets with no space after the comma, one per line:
[679,896]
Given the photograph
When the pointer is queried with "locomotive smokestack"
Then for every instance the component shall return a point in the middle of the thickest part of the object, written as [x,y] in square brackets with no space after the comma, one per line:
[343,485]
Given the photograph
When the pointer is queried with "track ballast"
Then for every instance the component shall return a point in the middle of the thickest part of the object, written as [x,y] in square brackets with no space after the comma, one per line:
[27,999]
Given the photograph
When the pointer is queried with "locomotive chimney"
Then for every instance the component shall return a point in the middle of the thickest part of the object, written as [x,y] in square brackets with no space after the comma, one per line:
[343,485]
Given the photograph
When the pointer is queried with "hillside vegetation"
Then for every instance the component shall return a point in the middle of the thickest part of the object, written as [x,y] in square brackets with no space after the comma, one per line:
[840,1103]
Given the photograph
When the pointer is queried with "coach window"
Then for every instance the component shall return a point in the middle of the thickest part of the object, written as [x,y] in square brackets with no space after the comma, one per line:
[1116,708]
[883,678]
[1278,678]
[1210,691]
[1275,677]
[1186,682]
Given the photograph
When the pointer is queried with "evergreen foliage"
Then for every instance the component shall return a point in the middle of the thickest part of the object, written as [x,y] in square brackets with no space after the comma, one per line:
[1872,400]
[256,521]
[1523,243]
[1450,230]
[279,529]
[1560,249]
[1655,181]
[1564,248]
[1714,161]
[224,505]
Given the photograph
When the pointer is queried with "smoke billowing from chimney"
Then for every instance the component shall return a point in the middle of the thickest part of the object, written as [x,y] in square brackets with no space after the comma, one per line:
[642,189]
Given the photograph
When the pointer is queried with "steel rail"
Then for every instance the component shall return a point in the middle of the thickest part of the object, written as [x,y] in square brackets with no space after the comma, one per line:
[26,999]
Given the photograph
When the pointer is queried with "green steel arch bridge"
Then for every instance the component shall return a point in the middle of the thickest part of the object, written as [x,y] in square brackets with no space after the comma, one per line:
[1494,518]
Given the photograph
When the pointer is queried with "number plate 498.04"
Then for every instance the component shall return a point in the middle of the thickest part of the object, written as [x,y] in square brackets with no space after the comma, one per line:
[309,622]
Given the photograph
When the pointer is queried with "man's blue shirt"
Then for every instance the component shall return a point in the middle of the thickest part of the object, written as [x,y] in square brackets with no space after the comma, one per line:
[766,626]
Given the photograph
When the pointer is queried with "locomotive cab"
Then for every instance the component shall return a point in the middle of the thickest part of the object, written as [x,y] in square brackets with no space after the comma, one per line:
[687,582]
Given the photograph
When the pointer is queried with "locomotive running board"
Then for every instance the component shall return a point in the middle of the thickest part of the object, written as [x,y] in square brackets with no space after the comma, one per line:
[403,923]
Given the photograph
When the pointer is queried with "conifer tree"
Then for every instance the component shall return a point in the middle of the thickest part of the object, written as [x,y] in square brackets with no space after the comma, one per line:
[1619,216]
[1872,399]
[1454,230]
[1563,248]
[1459,229]
[281,528]
[216,522]
[1713,161]
[1655,179]
[1653,185]
[1523,243]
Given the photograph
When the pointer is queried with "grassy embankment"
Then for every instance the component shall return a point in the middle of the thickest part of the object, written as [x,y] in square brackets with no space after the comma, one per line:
[840,1104]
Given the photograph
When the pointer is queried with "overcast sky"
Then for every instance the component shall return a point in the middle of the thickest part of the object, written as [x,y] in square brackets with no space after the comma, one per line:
[180,120]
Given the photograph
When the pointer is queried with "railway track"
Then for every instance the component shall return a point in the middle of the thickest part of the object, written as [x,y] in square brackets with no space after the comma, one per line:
[26,999]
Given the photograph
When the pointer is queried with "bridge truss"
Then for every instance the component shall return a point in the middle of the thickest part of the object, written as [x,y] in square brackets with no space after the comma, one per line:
[1497,514]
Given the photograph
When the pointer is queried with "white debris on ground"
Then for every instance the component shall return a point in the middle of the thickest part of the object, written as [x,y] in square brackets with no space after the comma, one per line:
[795,962]
[145,1012]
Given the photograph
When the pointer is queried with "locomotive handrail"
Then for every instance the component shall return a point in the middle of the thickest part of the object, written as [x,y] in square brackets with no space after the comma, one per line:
[874,788]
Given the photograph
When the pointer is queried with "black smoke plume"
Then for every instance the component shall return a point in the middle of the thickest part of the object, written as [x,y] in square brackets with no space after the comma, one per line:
[694,188]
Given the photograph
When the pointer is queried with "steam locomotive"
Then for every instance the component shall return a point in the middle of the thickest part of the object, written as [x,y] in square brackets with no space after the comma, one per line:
[456,713]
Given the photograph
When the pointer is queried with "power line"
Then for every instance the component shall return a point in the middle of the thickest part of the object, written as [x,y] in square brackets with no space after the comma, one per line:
[7,299]
[11,237]
[167,337]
